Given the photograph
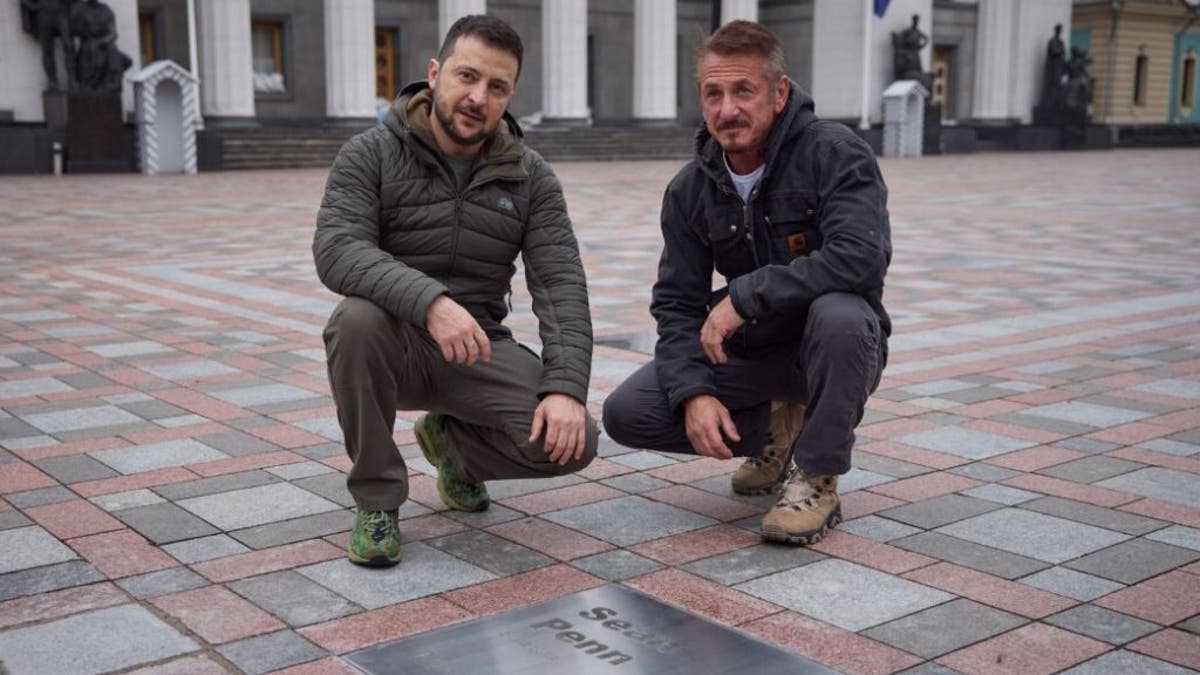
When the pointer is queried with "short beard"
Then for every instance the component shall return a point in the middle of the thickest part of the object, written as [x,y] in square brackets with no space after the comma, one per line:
[446,119]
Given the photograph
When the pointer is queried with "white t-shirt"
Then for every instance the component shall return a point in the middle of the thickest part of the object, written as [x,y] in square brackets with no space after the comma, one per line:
[744,183]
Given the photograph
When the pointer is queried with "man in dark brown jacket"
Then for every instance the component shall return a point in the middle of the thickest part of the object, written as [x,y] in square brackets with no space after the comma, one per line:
[421,224]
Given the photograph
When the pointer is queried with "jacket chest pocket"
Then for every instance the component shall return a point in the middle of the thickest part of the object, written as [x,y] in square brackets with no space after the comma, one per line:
[792,220]
[730,242]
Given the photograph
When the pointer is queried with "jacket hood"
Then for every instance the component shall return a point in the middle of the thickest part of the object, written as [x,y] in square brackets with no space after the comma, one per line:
[797,114]
[409,114]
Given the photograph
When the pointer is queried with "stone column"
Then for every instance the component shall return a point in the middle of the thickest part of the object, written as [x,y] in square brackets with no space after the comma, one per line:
[350,59]
[564,65]
[450,11]
[731,10]
[226,69]
[995,38]
[654,61]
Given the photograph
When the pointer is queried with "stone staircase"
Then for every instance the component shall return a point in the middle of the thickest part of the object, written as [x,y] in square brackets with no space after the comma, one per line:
[275,147]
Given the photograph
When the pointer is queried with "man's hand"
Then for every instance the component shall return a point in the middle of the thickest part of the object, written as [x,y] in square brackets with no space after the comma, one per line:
[456,332]
[706,419]
[563,419]
[720,324]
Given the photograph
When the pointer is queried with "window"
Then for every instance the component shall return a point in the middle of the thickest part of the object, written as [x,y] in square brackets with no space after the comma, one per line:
[1187,87]
[385,63]
[147,34]
[266,45]
[1139,79]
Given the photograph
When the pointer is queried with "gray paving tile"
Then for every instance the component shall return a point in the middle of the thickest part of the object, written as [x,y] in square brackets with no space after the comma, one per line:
[844,594]
[1158,483]
[937,511]
[33,386]
[505,489]
[74,468]
[259,395]
[139,458]
[162,582]
[164,523]
[1089,414]
[490,552]
[987,473]
[945,628]
[295,529]
[616,565]
[1188,389]
[1052,424]
[93,642]
[327,450]
[265,653]
[1109,519]
[877,528]
[638,483]
[1192,625]
[642,460]
[1091,469]
[48,578]
[237,443]
[1133,561]
[331,486]
[41,497]
[257,505]
[215,485]
[75,419]
[752,562]
[494,515]
[1001,494]
[1088,445]
[1071,584]
[969,554]
[204,548]
[858,479]
[629,520]
[930,668]
[425,571]
[294,598]
[187,370]
[1031,534]
[13,519]
[300,470]
[1102,624]
[1171,447]
[887,466]
[1124,662]
[119,501]
[26,547]
[119,350]
[1178,535]
[964,442]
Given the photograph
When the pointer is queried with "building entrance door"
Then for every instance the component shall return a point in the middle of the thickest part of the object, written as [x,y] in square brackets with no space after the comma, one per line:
[1185,80]
[385,63]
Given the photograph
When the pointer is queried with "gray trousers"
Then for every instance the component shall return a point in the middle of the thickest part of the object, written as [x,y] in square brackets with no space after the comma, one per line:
[832,370]
[379,364]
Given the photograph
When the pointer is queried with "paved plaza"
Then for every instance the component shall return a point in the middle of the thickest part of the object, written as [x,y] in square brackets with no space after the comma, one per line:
[1024,498]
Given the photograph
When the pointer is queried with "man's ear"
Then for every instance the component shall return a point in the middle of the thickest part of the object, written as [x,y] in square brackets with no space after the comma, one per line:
[782,89]
[431,72]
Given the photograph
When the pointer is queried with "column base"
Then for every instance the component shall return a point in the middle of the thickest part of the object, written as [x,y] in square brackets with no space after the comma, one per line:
[223,122]
[655,122]
[350,122]
[564,122]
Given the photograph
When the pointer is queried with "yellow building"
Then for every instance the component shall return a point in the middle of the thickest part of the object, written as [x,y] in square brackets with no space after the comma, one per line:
[1143,59]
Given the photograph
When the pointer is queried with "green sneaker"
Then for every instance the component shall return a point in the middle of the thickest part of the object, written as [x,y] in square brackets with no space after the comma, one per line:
[457,492]
[375,541]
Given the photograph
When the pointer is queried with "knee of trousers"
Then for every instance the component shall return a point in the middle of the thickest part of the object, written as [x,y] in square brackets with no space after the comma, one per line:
[590,446]
[842,324]
[620,418]
[355,326]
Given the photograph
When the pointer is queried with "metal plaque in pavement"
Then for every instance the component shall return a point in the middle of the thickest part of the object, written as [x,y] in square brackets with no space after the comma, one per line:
[611,630]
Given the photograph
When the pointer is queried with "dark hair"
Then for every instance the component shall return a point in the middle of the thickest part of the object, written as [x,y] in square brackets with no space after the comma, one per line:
[493,31]
[738,38]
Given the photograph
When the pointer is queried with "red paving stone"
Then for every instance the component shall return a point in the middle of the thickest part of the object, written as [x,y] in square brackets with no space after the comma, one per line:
[267,560]
[381,625]
[832,646]
[704,503]
[20,476]
[561,498]
[1189,464]
[694,470]
[908,453]
[329,666]
[1010,596]
[121,554]
[1164,599]
[1032,459]
[429,527]
[108,486]
[1171,645]
[862,503]
[1069,490]
[552,539]
[60,603]
[191,665]
[871,553]
[67,520]
[1129,434]
[929,485]
[287,436]
[500,595]
[221,467]
[1015,431]
[1030,650]
[697,544]
[217,614]
[719,603]
[72,448]
[601,468]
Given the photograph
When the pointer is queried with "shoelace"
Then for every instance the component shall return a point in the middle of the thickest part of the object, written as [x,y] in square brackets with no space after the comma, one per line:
[793,497]
[380,525]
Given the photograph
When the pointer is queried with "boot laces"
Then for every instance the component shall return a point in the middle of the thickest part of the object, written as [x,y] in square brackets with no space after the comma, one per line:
[802,491]
[379,525]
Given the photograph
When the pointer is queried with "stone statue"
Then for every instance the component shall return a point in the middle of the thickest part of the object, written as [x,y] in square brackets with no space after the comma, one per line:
[1054,71]
[99,65]
[906,54]
[1078,85]
[48,21]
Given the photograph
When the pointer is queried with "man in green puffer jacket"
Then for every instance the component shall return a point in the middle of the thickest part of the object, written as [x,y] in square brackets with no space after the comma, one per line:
[420,227]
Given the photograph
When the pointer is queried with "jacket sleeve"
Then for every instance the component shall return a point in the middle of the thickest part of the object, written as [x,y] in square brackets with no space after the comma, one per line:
[679,304]
[555,277]
[853,221]
[346,246]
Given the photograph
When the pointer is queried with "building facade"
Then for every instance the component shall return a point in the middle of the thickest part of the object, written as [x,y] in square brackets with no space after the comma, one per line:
[321,64]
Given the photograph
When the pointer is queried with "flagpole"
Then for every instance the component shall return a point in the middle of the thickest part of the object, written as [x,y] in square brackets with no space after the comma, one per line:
[864,122]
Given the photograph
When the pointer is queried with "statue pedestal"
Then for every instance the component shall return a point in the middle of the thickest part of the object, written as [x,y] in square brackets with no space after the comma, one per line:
[54,103]
[96,137]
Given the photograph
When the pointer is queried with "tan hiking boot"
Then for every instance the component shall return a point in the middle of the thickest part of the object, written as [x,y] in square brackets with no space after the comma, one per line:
[808,507]
[763,475]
